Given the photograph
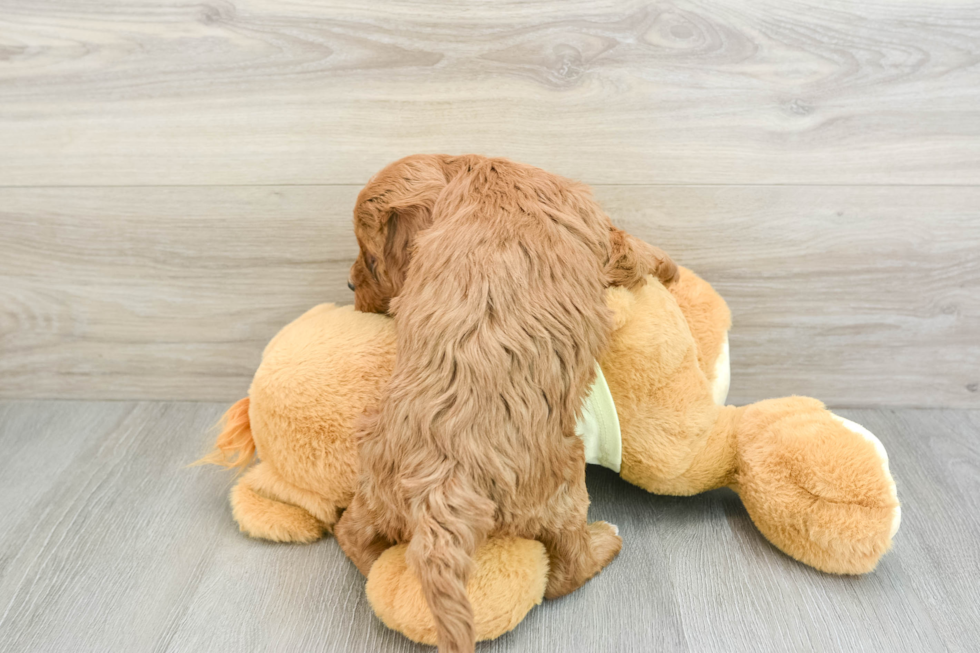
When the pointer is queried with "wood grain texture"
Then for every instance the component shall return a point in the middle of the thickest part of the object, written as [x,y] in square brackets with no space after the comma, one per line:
[108,293]
[858,296]
[242,92]
[109,543]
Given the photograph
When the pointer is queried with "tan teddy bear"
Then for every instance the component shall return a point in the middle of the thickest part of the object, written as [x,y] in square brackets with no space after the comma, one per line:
[816,485]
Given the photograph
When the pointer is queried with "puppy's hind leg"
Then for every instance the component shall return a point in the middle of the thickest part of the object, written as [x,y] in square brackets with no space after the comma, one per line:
[358,537]
[578,550]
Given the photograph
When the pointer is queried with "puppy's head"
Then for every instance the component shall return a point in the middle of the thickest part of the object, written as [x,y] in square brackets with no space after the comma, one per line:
[394,206]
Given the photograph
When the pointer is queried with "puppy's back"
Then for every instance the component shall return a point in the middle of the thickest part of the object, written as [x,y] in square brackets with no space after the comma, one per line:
[499,323]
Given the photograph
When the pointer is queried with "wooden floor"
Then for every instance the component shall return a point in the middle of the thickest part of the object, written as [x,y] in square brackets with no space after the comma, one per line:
[108,543]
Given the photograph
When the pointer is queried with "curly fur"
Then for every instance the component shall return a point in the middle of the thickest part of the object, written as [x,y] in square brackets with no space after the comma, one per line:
[495,273]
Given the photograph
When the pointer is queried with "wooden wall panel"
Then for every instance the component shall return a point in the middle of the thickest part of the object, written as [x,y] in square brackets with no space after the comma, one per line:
[859,296]
[111,92]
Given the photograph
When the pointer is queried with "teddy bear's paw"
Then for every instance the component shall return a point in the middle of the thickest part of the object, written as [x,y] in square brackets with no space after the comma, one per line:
[264,518]
[509,578]
[883,456]
[268,519]
[817,486]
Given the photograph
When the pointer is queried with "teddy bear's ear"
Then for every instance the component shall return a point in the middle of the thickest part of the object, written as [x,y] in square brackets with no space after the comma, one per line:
[631,260]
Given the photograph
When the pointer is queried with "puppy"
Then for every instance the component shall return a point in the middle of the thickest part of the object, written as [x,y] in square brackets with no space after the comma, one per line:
[495,273]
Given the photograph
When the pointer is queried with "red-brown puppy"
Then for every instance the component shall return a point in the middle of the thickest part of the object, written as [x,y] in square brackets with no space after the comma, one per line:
[500,317]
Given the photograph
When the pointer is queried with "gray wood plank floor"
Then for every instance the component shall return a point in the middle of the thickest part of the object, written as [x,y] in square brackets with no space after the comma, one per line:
[108,543]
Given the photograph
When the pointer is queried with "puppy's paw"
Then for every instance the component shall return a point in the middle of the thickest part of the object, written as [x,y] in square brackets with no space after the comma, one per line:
[606,542]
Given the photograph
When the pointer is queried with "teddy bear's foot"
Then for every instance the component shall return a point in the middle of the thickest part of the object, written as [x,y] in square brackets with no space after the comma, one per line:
[883,460]
[265,507]
[817,486]
[708,318]
[509,578]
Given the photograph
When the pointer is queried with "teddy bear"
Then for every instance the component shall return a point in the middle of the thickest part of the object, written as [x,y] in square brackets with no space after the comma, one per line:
[816,485]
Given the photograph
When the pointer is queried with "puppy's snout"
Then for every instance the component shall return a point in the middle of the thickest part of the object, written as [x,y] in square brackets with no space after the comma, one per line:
[350,284]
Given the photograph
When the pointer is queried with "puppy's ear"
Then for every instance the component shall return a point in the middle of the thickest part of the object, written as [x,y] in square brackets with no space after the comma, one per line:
[402,227]
[631,260]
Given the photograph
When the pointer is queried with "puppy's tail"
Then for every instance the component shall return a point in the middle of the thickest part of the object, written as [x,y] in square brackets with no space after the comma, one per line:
[449,527]
[631,260]
[234,447]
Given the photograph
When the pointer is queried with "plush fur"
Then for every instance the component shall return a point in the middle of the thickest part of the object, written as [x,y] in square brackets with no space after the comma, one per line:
[497,294]
[509,578]
[818,488]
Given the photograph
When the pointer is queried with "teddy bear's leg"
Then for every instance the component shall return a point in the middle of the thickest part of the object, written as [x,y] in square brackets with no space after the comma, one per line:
[709,320]
[815,485]
[269,482]
[676,439]
[509,578]
[262,511]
